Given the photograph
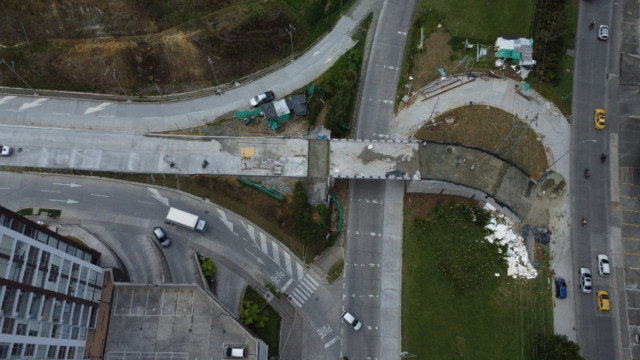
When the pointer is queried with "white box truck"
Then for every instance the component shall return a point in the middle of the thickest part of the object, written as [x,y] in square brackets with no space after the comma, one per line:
[185,219]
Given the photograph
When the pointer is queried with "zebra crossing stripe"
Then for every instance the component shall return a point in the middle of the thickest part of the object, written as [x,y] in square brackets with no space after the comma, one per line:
[304,291]
[287,263]
[300,294]
[263,244]
[276,252]
[296,302]
[306,286]
[310,279]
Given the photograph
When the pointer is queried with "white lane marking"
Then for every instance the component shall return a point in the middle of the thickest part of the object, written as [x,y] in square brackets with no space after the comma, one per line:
[4,188]
[304,291]
[71,185]
[68,201]
[403,33]
[60,113]
[156,195]
[276,252]
[6,98]
[309,278]
[106,116]
[151,117]
[302,296]
[296,302]
[300,271]
[306,285]
[194,112]
[331,342]
[32,104]
[97,108]
[287,263]
[50,191]
[146,202]
[284,288]
[100,195]
[263,244]
[223,217]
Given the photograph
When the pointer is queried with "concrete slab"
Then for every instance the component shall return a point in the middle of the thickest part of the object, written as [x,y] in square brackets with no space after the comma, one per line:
[374,159]
[318,158]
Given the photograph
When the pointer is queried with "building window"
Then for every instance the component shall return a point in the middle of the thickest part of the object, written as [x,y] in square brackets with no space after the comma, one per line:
[51,354]
[62,352]
[7,325]
[71,353]
[29,349]
[22,329]
[16,350]
[53,274]
[4,350]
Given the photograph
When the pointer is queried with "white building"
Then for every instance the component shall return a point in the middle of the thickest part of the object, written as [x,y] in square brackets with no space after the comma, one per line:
[50,288]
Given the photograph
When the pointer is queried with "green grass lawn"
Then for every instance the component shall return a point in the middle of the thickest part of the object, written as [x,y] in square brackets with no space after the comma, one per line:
[497,321]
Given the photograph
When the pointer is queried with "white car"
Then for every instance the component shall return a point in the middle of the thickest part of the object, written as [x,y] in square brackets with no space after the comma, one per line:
[351,320]
[6,150]
[263,98]
[585,280]
[603,265]
[603,32]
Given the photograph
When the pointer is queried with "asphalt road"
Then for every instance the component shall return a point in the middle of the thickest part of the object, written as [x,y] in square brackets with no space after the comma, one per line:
[364,264]
[597,332]
[122,216]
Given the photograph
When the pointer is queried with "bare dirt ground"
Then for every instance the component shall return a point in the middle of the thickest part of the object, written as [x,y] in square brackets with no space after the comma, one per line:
[154,47]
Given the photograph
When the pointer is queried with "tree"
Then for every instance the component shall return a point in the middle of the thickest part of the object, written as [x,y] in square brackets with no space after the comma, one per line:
[555,346]
[250,314]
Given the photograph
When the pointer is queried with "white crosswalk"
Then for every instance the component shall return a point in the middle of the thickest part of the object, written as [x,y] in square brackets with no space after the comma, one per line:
[293,274]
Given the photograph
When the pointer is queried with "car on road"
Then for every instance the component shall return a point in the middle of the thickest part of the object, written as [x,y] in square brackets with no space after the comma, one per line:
[6,150]
[351,320]
[161,236]
[604,304]
[561,288]
[263,98]
[603,265]
[600,118]
[603,32]
[585,280]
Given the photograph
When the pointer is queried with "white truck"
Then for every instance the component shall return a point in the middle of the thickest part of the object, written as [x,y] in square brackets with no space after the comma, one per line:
[185,219]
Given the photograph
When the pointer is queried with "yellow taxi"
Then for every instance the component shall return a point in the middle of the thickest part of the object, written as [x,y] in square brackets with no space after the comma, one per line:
[600,118]
[603,300]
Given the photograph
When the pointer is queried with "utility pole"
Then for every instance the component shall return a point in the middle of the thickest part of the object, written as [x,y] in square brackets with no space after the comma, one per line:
[290,31]
[214,73]
[13,70]
[113,75]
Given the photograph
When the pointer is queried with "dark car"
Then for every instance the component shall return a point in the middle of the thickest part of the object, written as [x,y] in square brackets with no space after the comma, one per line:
[561,288]
[161,236]
[263,98]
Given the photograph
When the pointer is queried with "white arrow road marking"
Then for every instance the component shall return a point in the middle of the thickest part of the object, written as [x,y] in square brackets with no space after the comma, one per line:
[97,108]
[254,256]
[68,201]
[6,98]
[156,195]
[223,217]
[32,104]
[71,185]
[331,342]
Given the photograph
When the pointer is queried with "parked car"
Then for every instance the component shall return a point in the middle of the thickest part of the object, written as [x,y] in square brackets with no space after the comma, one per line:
[561,288]
[603,265]
[6,150]
[585,280]
[161,236]
[235,352]
[603,32]
[600,118]
[351,320]
[263,98]
[604,304]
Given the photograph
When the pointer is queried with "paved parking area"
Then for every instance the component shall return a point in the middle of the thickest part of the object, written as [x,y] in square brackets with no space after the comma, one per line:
[170,322]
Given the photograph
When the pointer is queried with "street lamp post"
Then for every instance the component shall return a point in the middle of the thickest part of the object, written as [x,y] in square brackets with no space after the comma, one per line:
[13,70]
[113,75]
[214,73]
[290,31]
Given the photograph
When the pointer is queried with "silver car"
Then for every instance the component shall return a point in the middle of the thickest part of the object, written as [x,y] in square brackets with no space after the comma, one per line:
[603,32]
[585,280]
